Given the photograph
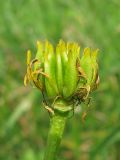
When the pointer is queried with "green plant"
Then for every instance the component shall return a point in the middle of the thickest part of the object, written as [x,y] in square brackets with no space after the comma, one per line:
[65,80]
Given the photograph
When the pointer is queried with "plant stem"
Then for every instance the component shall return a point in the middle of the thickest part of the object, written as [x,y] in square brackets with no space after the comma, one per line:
[57,125]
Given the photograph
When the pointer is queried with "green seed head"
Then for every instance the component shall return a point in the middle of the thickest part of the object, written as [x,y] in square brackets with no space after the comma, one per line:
[60,72]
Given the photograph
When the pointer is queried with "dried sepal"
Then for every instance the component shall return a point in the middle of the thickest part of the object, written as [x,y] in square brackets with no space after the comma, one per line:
[33,75]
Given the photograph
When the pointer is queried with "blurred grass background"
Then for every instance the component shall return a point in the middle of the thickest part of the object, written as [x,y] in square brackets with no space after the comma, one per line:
[23,122]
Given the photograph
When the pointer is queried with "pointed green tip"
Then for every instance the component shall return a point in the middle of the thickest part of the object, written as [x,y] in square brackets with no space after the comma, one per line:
[49,47]
[95,53]
[39,45]
[86,52]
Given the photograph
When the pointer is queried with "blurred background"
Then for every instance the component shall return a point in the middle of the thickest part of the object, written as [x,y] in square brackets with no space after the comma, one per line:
[24,122]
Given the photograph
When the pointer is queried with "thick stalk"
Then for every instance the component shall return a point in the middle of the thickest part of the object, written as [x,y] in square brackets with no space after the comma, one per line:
[57,125]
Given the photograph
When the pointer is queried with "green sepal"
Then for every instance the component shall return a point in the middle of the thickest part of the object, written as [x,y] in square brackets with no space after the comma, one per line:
[71,74]
[64,57]
[50,70]
[59,69]
[95,79]
[86,65]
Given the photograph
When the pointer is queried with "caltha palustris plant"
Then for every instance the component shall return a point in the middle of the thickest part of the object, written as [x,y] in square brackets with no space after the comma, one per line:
[65,80]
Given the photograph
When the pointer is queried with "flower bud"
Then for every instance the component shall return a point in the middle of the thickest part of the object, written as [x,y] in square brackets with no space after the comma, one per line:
[60,72]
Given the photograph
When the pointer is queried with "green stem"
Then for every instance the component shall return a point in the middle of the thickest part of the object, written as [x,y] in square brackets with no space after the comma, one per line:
[57,125]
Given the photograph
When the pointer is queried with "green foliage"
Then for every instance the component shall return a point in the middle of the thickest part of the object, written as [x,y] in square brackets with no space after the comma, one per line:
[23,121]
